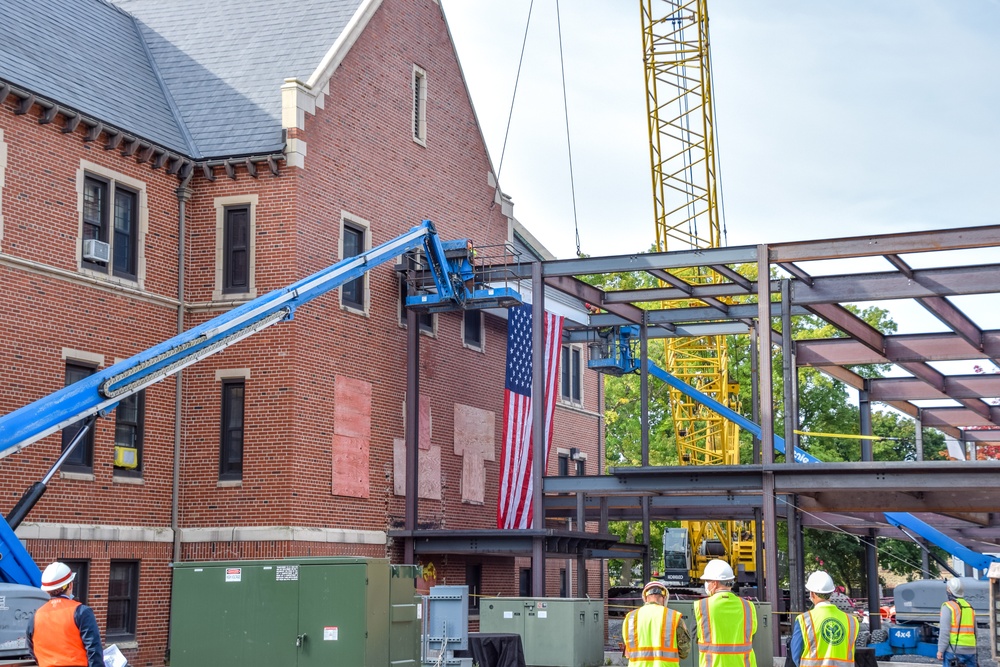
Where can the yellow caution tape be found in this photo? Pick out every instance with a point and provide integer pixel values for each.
(842, 435)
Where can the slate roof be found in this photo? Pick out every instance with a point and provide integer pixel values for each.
(200, 77)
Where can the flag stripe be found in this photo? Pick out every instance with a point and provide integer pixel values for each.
(514, 506)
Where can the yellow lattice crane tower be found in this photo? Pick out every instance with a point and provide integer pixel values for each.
(686, 204)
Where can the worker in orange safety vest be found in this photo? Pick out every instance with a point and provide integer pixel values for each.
(726, 622)
(654, 635)
(63, 632)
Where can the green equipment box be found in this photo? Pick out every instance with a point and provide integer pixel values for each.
(296, 612)
(555, 632)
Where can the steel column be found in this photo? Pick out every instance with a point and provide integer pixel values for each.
(770, 531)
(412, 429)
(644, 391)
(647, 572)
(754, 391)
(918, 429)
(796, 576)
(537, 426)
(581, 559)
(871, 555)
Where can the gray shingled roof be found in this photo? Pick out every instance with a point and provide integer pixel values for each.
(213, 85)
(86, 55)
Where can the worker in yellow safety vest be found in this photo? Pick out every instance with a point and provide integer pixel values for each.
(726, 622)
(957, 634)
(654, 635)
(824, 636)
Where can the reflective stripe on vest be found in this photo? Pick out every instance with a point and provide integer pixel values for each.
(828, 636)
(650, 633)
(963, 623)
(718, 645)
(56, 639)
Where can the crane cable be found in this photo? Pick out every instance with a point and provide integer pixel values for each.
(569, 149)
(510, 116)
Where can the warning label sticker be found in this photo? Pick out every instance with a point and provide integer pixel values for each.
(330, 633)
(286, 573)
(234, 574)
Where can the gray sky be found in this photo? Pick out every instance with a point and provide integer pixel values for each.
(834, 118)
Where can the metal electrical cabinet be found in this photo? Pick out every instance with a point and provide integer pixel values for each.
(303, 612)
(763, 645)
(555, 632)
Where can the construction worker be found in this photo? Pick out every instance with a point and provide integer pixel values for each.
(63, 632)
(654, 635)
(726, 622)
(824, 636)
(957, 634)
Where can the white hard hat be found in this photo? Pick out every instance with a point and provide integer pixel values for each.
(820, 582)
(718, 570)
(56, 576)
(956, 588)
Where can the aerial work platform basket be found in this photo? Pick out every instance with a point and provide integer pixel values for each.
(486, 277)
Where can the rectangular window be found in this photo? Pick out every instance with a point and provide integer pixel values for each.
(420, 106)
(474, 580)
(119, 233)
(236, 250)
(126, 233)
(123, 596)
(571, 374)
(563, 583)
(352, 293)
(82, 457)
(130, 417)
(80, 583)
(581, 467)
(524, 582)
(231, 441)
(472, 328)
(563, 465)
(424, 319)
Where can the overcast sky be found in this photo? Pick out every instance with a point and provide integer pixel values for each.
(834, 118)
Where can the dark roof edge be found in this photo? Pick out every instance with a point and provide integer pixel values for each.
(156, 150)
(174, 111)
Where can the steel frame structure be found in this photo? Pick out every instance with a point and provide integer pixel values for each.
(960, 499)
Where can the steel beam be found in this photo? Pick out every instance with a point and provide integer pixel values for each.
(956, 386)
(955, 319)
(679, 259)
(593, 295)
(959, 417)
(898, 348)
(680, 331)
(886, 244)
(881, 286)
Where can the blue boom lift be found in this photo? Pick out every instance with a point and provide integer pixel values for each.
(446, 282)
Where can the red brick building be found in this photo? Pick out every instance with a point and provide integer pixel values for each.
(163, 162)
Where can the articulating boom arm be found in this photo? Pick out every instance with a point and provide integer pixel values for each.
(101, 392)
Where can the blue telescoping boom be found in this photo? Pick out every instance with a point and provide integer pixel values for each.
(101, 392)
(628, 364)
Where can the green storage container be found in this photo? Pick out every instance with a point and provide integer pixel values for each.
(555, 632)
(302, 612)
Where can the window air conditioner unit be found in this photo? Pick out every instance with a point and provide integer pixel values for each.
(126, 457)
(575, 454)
(96, 251)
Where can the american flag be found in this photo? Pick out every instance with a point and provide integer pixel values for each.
(514, 505)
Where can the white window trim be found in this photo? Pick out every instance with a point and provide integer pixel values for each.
(142, 210)
(582, 367)
(418, 86)
(361, 223)
(482, 333)
(232, 374)
(90, 358)
(221, 204)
